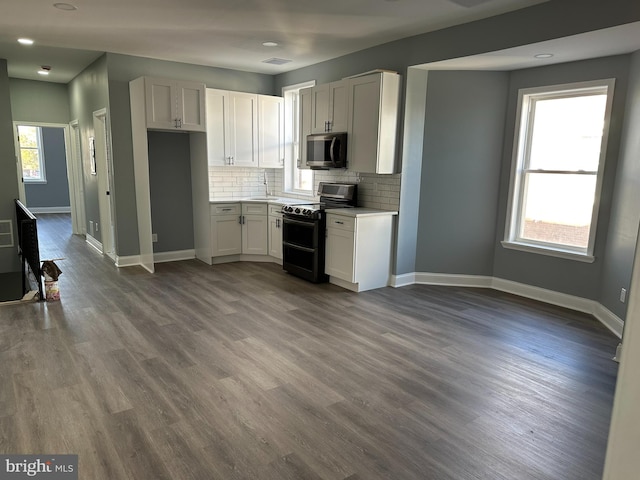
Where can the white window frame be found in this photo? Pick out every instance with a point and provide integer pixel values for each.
(520, 159)
(292, 137)
(39, 148)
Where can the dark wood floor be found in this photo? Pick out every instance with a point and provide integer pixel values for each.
(241, 371)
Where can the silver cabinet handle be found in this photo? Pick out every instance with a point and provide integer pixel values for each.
(227, 209)
(339, 223)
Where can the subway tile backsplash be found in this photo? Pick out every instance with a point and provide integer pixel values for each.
(374, 191)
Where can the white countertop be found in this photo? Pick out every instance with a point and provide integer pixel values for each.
(360, 212)
(270, 199)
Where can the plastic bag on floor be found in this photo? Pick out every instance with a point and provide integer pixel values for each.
(51, 272)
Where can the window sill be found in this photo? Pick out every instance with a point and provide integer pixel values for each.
(299, 193)
(552, 252)
(31, 182)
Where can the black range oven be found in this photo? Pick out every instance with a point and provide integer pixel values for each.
(303, 231)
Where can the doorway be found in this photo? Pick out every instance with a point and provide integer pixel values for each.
(46, 173)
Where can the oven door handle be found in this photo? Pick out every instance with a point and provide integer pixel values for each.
(298, 247)
(298, 222)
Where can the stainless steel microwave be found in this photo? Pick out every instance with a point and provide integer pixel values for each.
(327, 150)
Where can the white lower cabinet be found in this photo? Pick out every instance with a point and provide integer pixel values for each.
(226, 229)
(275, 231)
(358, 250)
(254, 228)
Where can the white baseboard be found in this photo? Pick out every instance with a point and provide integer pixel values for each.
(175, 256)
(49, 209)
(572, 302)
(402, 280)
(453, 280)
(609, 319)
(128, 261)
(94, 243)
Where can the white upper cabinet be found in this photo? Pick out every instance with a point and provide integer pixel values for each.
(175, 105)
(217, 150)
(270, 131)
(329, 107)
(242, 127)
(373, 101)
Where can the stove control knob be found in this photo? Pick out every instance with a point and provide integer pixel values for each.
(297, 210)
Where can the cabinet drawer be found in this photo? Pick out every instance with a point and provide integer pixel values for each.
(254, 208)
(341, 223)
(225, 209)
(275, 210)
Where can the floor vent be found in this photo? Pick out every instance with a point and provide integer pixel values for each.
(6, 233)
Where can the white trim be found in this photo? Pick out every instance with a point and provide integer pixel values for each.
(572, 302)
(402, 280)
(543, 295)
(551, 252)
(452, 280)
(128, 261)
(175, 256)
(94, 243)
(49, 209)
(609, 319)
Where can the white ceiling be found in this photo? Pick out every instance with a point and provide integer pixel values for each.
(221, 33)
(598, 43)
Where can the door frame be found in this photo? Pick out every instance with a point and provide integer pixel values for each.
(104, 171)
(78, 211)
(76, 195)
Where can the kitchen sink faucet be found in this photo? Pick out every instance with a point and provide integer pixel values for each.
(266, 184)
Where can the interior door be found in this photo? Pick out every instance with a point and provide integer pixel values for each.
(104, 183)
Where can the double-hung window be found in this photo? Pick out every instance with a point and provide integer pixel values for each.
(31, 154)
(558, 162)
(296, 180)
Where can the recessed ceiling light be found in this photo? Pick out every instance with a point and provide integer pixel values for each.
(25, 41)
(270, 44)
(44, 70)
(544, 55)
(65, 6)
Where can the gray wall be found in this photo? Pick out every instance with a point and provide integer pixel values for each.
(625, 211)
(8, 173)
(562, 275)
(43, 102)
(89, 92)
(170, 183)
(462, 154)
(54, 193)
(122, 69)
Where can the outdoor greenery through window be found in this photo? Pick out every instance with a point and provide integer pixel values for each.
(31, 154)
(296, 180)
(558, 163)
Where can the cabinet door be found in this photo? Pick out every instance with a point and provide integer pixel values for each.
(254, 234)
(373, 123)
(243, 128)
(217, 152)
(270, 131)
(275, 236)
(320, 96)
(339, 260)
(191, 106)
(305, 121)
(226, 235)
(160, 103)
(338, 105)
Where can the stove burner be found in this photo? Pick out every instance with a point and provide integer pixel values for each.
(312, 210)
